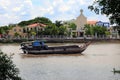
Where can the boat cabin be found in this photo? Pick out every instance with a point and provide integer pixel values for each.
(37, 43)
(34, 45)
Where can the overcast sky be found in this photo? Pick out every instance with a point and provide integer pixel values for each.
(14, 11)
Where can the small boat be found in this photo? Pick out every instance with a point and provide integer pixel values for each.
(39, 47)
(116, 71)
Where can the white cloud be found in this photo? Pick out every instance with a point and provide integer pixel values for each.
(63, 17)
(64, 8)
(14, 10)
(19, 10)
(23, 13)
(41, 11)
(98, 18)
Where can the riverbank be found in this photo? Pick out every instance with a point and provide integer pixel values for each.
(61, 40)
(81, 40)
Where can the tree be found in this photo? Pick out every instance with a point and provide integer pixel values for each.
(51, 29)
(16, 34)
(117, 28)
(54, 30)
(58, 23)
(33, 33)
(88, 29)
(8, 70)
(73, 26)
(42, 20)
(23, 23)
(47, 30)
(110, 8)
(12, 25)
(62, 30)
(92, 30)
(1, 31)
(4, 29)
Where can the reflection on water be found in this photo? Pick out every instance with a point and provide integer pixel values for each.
(48, 55)
(95, 63)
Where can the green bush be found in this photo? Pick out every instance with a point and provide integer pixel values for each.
(8, 70)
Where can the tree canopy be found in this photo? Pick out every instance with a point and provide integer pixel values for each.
(73, 26)
(110, 8)
(8, 70)
(58, 23)
(4, 29)
(43, 20)
(55, 30)
(92, 30)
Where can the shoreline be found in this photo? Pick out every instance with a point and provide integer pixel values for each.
(62, 40)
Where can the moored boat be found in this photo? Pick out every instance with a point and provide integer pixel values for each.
(39, 47)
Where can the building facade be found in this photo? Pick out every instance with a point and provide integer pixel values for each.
(104, 24)
(35, 27)
(80, 21)
(16, 32)
(24, 32)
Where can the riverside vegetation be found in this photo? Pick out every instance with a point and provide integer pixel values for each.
(8, 70)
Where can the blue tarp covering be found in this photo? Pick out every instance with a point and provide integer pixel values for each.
(36, 43)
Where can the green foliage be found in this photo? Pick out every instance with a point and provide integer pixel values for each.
(89, 29)
(4, 29)
(16, 34)
(1, 31)
(33, 33)
(51, 29)
(58, 23)
(109, 7)
(47, 30)
(54, 30)
(8, 70)
(43, 20)
(62, 30)
(24, 23)
(117, 28)
(73, 26)
(107, 32)
(92, 30)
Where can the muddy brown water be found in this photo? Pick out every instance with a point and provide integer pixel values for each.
(95, 63)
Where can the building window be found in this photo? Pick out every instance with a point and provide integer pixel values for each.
(19, 30)
(14, 30)
(41, 29)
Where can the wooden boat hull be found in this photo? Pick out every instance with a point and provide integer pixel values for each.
(72, 49)
(53, 51)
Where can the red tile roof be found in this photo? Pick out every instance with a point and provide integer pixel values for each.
(91, 22)
(36, 25)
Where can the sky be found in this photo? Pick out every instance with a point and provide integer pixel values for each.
(15, 11)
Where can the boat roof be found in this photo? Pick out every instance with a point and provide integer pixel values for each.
(28, 42)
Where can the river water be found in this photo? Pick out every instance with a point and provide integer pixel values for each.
(95, 63)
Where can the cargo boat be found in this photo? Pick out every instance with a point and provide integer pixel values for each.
(39, 47)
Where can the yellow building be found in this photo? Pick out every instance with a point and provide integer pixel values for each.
(80, 21)
(16, 32)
